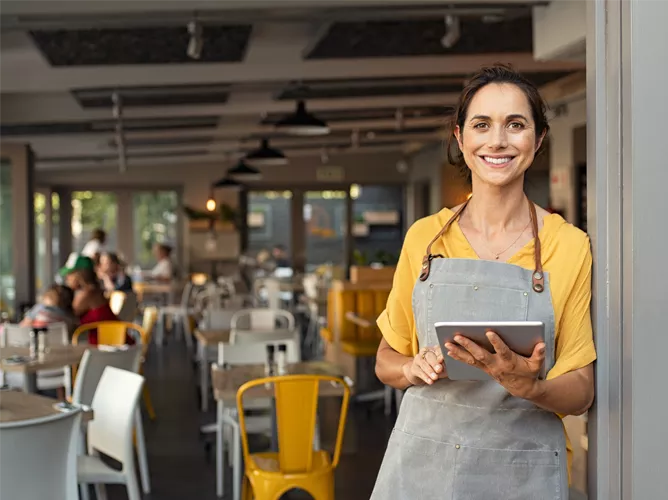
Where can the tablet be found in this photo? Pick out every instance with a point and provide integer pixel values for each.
(520, 336)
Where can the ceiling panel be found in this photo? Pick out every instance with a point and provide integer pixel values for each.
(422, 37)
(165, 45)
(170, 95)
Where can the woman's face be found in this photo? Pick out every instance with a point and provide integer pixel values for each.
(72, 280)
(498, 139)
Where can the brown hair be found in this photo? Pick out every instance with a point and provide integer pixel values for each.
(499, 73)
(99, 234)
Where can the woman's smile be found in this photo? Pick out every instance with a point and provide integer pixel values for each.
(497, 161)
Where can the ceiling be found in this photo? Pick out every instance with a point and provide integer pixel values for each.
(377, 72)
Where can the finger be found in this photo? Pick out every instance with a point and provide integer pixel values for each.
(460, 354)
(537, 357)
(432, 359)
(428, 369)
(418, 372)
(500, 346)
(480, 354)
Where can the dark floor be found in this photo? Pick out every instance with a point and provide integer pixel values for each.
(177, 460)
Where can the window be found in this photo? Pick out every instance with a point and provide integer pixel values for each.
(155, 216)
(92, 210)
(269, 221)
(6, 250)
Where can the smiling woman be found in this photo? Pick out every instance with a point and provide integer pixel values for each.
(496, 257)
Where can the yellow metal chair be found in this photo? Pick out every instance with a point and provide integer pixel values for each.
(148, 323)
(295, 465)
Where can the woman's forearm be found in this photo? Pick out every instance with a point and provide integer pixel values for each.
(389, 366)
(568, 394)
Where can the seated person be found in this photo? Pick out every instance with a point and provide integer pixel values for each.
(89, 304)
(164, 269)
(55, 306)
(110, 272)
(279, 255)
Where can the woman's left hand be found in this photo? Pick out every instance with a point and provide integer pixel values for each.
(518, 374)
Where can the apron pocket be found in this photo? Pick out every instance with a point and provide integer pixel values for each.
(415, 468)
(482, 474)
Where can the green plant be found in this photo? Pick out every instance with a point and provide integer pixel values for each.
(225, 213)
(360, 258)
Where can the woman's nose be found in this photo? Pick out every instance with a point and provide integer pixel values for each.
(498, 139)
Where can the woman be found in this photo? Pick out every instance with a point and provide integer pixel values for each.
(89, 304)
(111, 275)
(164, 269)
(497, 257)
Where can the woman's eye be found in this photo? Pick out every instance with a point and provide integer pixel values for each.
(480, 125)
(516, 125)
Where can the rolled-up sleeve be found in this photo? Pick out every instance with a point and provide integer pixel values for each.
(396, 322)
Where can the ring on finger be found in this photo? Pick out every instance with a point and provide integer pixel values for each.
(425, 351)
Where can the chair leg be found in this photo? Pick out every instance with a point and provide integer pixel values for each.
(141, 453)
(148, 403)
(133, 486)
(219, 450)
(100, 492)
(246, 489)
(237, 472)
(323, 489)
(84, 491)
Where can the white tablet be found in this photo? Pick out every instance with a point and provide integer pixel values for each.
(520, 336)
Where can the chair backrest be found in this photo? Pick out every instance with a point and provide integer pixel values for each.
(114, 406)
(92, 366)
(296, 411)
(217, 319)
(39, 457)
(254, 353)
(110, 332)
(19, 336)
(116, 301)
(128, 306)
(148, 324)
(263, 319)
(248, 336)
(310, 282)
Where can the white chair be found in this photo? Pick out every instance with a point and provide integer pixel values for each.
(124, 305)
(234, 355)
(39, 457)
(262, 319)
(110, 432)
(57, 334)
(93, 365)
(180, 314)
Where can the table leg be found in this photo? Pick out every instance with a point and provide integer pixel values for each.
(219, 450)
(30, 383)
(204, 377)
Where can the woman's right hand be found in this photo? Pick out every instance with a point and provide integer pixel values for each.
(425, 368)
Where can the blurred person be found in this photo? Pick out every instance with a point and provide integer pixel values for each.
(95, 246)
(163, 271)
(111, 274)
(279, 255)
(55, 306)
(89, 304)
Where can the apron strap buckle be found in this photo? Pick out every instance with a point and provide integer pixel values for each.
(426, 267)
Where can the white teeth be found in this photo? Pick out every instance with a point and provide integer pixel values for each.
(497, 161)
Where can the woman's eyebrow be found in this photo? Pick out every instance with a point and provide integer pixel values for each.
(479, 117)
(516, 117)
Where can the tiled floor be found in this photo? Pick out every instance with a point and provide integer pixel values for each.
(178, 463)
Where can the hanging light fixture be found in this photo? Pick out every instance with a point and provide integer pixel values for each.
(266, 156)
(301, 122)
(211, 202)
(226, 182)
(244, 172)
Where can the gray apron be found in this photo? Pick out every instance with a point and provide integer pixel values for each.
(472, 440)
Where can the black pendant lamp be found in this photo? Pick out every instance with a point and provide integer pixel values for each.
(244, 172)
(266, 156)
(226, 182)
(301, 122)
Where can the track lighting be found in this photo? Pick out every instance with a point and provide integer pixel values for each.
(195, 43)
(452, 32)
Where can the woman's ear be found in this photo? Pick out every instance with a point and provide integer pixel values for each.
(539, 142)
(458, 136)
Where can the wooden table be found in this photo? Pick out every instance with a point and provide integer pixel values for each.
(16, 406)
(212, 337)
(55, 357)
(166, 290)
(226, 382)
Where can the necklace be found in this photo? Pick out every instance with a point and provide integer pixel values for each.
(497, 255)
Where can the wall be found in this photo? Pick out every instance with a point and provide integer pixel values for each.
(559, 30)
(562, 157)
(424, 166)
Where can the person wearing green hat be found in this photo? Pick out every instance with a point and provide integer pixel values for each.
(89, 304)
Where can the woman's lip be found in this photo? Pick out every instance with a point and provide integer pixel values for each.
(497, 165)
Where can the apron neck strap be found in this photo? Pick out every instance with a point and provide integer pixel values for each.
(537, 278)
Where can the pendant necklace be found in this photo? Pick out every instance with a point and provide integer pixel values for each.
(497, 255)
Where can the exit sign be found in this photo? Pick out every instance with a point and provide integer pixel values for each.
(329, 174)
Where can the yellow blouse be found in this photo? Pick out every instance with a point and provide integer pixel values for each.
(566, 257)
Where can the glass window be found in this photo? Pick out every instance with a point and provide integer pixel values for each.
(155, 220)
(6, 251)
(92, 210)
(269, 221)
(377, 224)
(326, 228)
(41, 279)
